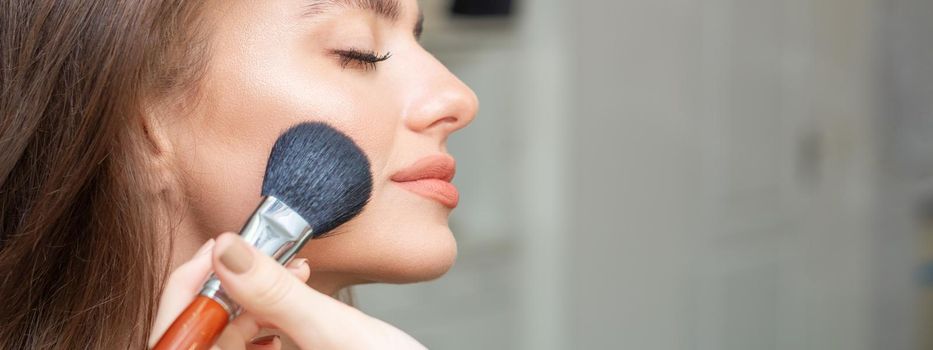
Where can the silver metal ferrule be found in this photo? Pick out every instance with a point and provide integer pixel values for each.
(275, 230)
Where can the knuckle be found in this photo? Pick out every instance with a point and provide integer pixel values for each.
(275, 292)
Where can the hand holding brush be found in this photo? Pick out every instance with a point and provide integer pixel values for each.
(274, 296)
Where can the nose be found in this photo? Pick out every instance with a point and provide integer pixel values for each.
(441, 103)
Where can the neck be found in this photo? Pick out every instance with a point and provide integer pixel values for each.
(330, 283)
(185, 247)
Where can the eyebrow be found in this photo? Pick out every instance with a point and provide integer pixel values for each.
(389, 9)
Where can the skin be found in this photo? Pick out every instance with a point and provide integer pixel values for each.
(270, 68)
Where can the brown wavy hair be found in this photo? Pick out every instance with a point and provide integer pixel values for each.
(84, 242)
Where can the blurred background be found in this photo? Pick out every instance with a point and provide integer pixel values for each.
(683, 174)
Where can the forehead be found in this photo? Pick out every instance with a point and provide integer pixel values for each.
(389, 9)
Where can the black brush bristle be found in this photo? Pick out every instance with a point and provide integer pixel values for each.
(320, 173)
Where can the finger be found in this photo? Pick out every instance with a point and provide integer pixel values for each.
(181, 287)
(244, 328)
(268, 342)
(238, 333)
(269, 292)
(300, 269)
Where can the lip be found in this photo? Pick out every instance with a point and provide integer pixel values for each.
(430, 177)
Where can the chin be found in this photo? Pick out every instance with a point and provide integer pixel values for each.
(430, 259)
(403, 256)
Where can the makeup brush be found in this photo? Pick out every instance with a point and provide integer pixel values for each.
(316, 179)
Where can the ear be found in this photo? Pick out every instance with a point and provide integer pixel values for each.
(157, 141)
(159, 157)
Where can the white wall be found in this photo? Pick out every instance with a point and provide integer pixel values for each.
(906, 125)
(724, 169)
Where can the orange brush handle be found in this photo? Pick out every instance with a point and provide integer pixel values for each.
(197, 328)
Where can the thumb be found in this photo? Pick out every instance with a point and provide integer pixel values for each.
(272, 294)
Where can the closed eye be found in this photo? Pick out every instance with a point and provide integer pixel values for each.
(361, 59)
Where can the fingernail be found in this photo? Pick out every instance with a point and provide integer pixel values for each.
(297, 263)
(264, 340)
(237, 257)
(205, 247)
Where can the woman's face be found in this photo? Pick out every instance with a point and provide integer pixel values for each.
(276, 63)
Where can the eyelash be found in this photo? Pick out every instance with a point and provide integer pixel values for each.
(366, 60)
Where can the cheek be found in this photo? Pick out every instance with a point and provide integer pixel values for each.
(223, 151)
(222, 182)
